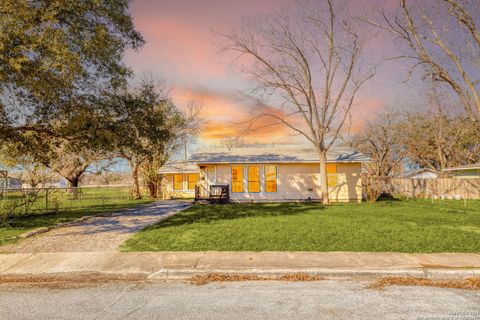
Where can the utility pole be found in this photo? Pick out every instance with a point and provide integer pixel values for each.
(185, 146)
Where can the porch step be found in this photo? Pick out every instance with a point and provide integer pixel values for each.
(202, 201)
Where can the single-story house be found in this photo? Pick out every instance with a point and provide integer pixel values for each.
(466, 171)
(273, 174)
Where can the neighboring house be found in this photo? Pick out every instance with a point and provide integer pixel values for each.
(10, 183)
(279, 173)
(466, 171)
(179, 179)
(421, 174)
(51, 183)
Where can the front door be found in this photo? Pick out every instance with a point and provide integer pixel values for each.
(210, 175)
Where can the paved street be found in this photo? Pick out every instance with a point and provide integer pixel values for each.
(99, 234)
(251, 300)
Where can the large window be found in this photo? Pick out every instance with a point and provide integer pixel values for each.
(253, 178)
(237, 178)
(270, 178)
(177, 181)
(192, 180)
(332, 180)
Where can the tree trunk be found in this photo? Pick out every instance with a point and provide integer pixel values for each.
(152, 189)
(323, 176)
(73, 182)
(136, 184)
(73, 185)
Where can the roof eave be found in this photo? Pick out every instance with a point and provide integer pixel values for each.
(280, 162)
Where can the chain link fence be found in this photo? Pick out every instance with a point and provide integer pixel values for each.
(15, 202)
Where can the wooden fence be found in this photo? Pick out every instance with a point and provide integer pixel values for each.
(439, 188)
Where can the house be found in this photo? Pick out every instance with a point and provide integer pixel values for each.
(466, 171)
(10, 183)
(423, 173)
(179, 179)
(270, 174)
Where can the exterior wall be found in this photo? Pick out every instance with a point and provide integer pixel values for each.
(473, 173)
(168, 192)
(298, 182)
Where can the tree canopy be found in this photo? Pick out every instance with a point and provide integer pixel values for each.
(146, 127)
(52, 51)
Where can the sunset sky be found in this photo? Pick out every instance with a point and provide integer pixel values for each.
(180, 47)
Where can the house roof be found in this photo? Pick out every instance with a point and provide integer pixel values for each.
(473, 166)
(275, 155)
(179, 167)
(417, 172)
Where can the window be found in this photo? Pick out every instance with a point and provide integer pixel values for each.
(270, 178)
(253, 178)
(192, 180)
(237, 178)
(332, 175)
(177, 181)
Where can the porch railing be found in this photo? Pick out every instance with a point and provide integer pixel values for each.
(215, 193)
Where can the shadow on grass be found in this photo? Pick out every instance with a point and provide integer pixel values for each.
(36, 220)
(211, 213)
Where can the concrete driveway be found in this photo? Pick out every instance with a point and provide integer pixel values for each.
(99, 234)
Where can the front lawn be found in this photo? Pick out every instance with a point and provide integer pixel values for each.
(396, 226)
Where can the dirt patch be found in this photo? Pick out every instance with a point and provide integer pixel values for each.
(218, 277)
(469, 283)
(67, 281)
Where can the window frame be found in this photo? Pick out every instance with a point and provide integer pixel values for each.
(188, 181)
(242, 169)
(335, 175)
(173, 182)
(259, 178)
(265, 178)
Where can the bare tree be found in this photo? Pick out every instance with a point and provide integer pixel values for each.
(380, 140)
(192, 125)
(35, 174)
(309, 58)
(104, 169)
(437, 141)
(233, 142)
(443, 37)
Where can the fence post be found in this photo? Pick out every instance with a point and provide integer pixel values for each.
(46, 199)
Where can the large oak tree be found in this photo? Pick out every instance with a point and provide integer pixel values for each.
(59, 59)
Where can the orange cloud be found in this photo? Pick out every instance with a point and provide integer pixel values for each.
(230, 115)
(366, 110)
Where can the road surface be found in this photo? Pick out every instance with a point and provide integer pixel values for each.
(241, 300)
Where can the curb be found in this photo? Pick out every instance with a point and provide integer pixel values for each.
(186, 274)
(438, 274)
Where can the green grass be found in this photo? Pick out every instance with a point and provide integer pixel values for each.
(387, 226)
(91, 201)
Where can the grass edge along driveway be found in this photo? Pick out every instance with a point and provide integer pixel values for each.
(413, 226)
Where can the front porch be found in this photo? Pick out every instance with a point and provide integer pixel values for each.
(213, 193)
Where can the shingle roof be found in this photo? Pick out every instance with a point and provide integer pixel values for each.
(179, 167)
(473, 166)
(275, 155)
